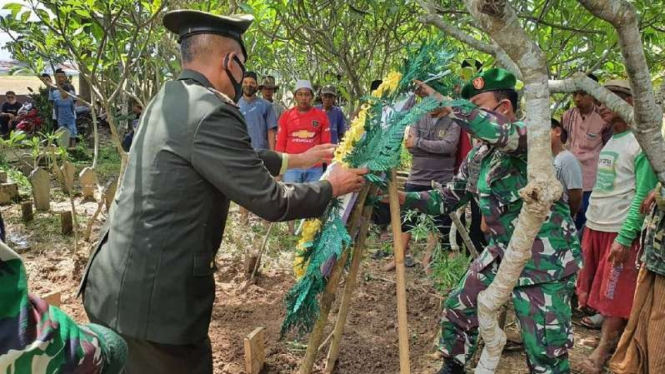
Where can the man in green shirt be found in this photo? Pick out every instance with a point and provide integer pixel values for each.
(492, 174)
(610, 241)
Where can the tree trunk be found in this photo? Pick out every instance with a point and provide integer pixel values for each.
(84, 89)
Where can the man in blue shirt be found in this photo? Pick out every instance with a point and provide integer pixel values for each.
(261, 122)
(64, 103)
(259, 115)
(335, 114)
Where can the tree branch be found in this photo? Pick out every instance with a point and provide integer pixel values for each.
(648, 114)
(460, 35)
(580, 82)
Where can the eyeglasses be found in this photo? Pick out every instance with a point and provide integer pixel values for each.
(10, 97)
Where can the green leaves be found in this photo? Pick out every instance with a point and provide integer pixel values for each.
(14, 8)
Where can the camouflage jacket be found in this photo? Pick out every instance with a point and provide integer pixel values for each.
(493, 173)
(36, 337)
(652, 240)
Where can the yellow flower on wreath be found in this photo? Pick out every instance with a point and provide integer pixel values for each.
(389, 84)
(357, 128)
(309, 230)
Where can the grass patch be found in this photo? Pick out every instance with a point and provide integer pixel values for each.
(108, 163)
(24, 187)
(447, 271)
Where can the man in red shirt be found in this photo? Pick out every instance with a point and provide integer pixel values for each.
(301, 128)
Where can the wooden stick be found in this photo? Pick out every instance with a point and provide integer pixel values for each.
(326, 341)
(464, 234)
(328, 296)
(396, 223)
(333, 351)
(258, 258)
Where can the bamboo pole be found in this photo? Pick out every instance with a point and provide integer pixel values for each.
(351, 278)
(396, 223)
(328, 296)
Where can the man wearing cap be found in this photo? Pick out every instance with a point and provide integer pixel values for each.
(492, 174)
(336, 118)
(587, 134)
(301, 128)
(611, 238)
(151, 276)
(259, 115)
(268, 89)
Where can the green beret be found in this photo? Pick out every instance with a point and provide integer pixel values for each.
(192, 22)
(489, 80)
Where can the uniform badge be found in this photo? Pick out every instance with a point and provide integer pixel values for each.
(315, 123)
(442, 134)
(478, 83)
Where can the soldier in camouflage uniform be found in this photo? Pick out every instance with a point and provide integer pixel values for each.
(492, 174)
(38, 338)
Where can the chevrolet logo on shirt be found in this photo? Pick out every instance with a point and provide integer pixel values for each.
(303, 134)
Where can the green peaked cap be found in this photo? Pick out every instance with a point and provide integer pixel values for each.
(489, 80)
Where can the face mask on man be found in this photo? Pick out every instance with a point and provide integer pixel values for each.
(237, 85)
(249, 90)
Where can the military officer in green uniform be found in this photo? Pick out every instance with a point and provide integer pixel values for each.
(492, 174)
(151, 277)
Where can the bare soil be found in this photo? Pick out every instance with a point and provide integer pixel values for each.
(370, 343)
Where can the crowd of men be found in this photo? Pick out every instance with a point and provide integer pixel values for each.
(149, 288)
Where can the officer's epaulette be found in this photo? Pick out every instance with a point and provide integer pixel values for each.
(222, 96)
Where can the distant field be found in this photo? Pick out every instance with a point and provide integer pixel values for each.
(20, 84)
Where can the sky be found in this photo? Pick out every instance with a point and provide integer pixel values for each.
(4, 38)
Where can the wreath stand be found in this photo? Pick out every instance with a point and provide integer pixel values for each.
(359, 222)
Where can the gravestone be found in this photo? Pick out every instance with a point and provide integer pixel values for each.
(26, 211)
(255, 354)
(109, 193)
(68, 173)
(25, 164)
(41, 189)
(8, 193)
(63, 137)
(87, 179)
(66, 223)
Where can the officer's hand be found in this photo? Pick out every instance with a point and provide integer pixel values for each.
(315, 155)
(618, 254)
(648, 202)
(345, 180)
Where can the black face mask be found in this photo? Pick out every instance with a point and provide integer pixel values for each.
(249, 90)
(237, 86)
(497, 105)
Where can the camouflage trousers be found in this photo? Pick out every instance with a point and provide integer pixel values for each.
(543, 311)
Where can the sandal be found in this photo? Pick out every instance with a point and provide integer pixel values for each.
(594, 322)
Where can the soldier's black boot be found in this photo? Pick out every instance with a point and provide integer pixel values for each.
(450, 366)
